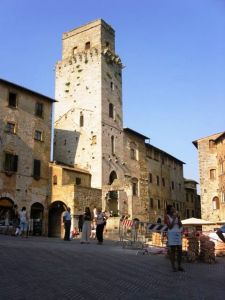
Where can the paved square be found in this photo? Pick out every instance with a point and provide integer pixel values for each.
(49, 268)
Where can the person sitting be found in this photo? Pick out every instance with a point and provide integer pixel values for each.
(220, 232)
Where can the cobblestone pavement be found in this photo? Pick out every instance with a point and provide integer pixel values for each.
(49, 268)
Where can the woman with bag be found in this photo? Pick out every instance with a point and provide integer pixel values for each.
(174, 237)
(86, 228)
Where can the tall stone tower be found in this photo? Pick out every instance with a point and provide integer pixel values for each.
(88, 115)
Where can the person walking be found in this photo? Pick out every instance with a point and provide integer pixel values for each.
(67, 224)
(16, 220)
(174, 237)
(101, 222)
(23, 222)
(86, 229)
(80, 223)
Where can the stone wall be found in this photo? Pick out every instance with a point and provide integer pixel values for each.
(23, 188)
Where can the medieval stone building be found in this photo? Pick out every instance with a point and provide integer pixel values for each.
(25, 143)
(192, 199)
(97, 162)
(89, 131)
(211, 152)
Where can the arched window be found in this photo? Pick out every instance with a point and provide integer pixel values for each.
(215, 203)
(135, 186)
(112, 145)
(81, 120)
(112, 177)
(111, 110)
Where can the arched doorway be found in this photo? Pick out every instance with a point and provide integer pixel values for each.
(36, 214)
(6, 207)
(55, 228)
(113, 196)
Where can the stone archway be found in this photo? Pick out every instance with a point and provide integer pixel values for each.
(55, 227)
(6, 205)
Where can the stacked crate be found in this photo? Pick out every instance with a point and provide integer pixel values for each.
(157, 239)
(191, 246)
(207, 249)
(219, 248)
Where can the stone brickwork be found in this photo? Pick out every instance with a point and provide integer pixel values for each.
(166, 183)
(211, 151)
(88, 79)
(89, 130)
(18, 183)
(77, 194)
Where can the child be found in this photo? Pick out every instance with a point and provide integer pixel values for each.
(75, 233)
(93, 230)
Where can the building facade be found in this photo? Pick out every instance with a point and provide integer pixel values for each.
(89, 131)
(192, 199)
(211, 155)
(25, 139)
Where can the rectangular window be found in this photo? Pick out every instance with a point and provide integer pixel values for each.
(111, 110)
(81, 120)
(87, 45)
(156, 155)
(12, 100)
(78, 180)
(55, 179)
(112, 145)
(37, 169)
(187, 197)
(163, 181)
(10, 127)
(212, 144)
(151, 203)
(112, 86)
(150, 177)
(212, 173)
(157, 180)
(159, 204)
(38, 135)
(135, 188)
(193, 213)
(222, 197)
(172, 185)
(188, 213)
(132, 153)
(39, 109)
(11, 162)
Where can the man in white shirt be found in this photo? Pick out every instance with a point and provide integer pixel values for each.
(67, 224)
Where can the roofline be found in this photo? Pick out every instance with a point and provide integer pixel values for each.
(171, 156)
(6, 82)
(190, 180)
(195, 143)
(129, 130)
(97, 22)
(70, 168)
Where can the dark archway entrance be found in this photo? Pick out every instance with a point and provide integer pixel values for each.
(36, 214)
(6, 207)
(113, 196)
(55, 228)
(113, 203)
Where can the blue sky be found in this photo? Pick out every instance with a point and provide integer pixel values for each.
(173, 50)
